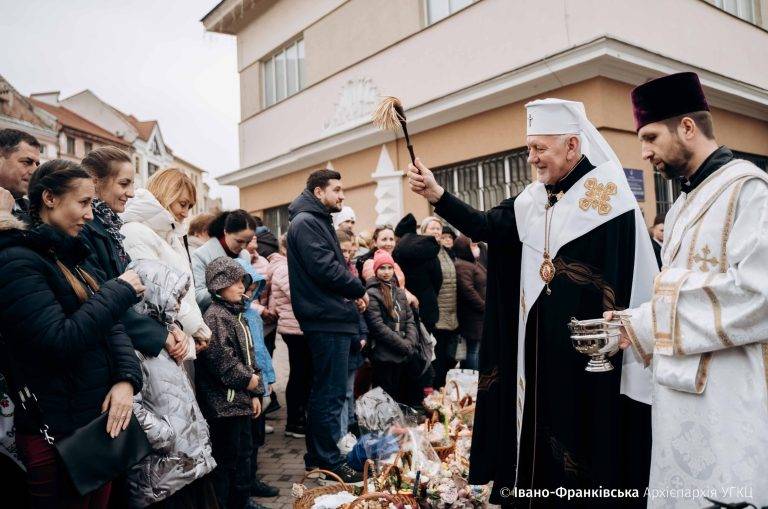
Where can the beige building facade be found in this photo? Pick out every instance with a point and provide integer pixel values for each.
(312, 72)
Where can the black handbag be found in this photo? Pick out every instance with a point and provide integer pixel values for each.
(93, 458)
(90, 455)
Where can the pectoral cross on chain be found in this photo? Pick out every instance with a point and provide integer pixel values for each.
(705, 260)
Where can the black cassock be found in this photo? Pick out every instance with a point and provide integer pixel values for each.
(578, 431)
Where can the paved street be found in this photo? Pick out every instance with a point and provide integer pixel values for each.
(281, 460)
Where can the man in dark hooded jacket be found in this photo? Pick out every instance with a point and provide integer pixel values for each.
(326, 298)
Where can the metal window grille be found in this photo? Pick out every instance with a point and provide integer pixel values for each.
(486, 181)
(276, 219)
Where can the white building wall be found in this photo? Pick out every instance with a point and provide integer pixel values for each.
(90, 107)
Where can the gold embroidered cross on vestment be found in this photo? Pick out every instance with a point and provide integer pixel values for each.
(705, 260)
(597, 196)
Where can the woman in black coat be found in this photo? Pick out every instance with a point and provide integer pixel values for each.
(471, 279)
(113, 174)
(417, 257)
(61, 331)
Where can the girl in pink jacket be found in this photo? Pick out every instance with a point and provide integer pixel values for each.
(299, 356)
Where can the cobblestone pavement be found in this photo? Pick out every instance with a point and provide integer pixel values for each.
(281, 459)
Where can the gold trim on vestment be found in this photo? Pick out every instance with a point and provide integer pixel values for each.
(717, 310)
(654, 325)
(765, 363)
(645, 356)
(702, 209)
(598, 196)
(583, 274)
(701, 375)
(692, 249)
(671, 291)
(729, 225)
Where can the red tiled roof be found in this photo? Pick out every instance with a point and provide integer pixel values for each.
(70, 119)
(144, 128)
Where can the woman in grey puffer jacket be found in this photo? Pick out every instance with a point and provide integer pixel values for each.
(174, 474)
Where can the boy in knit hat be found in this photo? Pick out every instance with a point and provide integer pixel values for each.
(229, 383)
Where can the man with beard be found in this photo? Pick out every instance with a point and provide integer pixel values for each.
(326, 298)
(572, 244)
(706, 326)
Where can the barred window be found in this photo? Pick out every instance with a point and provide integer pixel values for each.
(276, 219)
(486, 181)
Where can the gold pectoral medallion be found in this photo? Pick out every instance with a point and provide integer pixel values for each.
(547, 271)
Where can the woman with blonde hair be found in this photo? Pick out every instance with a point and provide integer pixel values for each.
(446, 328)
(154, 229)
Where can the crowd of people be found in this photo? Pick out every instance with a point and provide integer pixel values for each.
(354, 314)
(117, 308)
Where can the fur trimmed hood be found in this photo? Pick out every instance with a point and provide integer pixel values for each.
(10, 222)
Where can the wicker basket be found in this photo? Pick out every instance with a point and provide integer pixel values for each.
(307, 500)
(395, 498)
(372, 496)
(443, 451)
(466, 411)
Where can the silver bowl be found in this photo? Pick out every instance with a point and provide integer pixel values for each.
(590, 337)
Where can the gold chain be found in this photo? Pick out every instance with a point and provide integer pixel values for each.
(547, 269)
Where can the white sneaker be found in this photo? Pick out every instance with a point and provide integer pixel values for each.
(268, 429)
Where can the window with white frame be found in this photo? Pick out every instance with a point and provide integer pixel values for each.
(439, 9)
(744, 9)
(284, 73)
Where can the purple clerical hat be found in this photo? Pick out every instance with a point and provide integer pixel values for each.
(667, 97)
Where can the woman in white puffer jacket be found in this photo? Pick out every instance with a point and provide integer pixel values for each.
(176, 473)
(154, 229)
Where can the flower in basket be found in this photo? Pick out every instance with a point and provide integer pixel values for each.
(298, 490)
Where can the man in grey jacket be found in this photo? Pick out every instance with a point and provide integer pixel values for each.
(326, 300)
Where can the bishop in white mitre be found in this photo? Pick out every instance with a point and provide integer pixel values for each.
(704, 331)
(573, 244)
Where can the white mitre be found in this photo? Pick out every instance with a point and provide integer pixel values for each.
(558, 116)
(553, 116)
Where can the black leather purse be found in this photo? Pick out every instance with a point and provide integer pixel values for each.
(91, 456)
